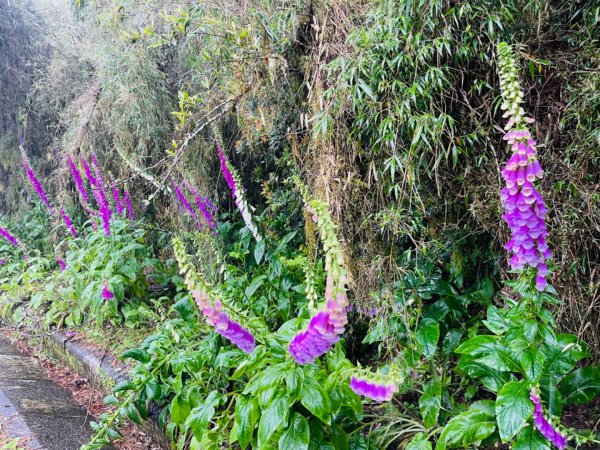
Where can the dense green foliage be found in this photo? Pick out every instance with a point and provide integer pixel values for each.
(389, 112)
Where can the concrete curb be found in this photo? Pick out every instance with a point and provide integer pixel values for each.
(103, 372)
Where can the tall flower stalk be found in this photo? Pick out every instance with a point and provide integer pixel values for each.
(524, 208)
(545, 427)
(9, 236)
(326, 326)
(211, 307)
(237, 190)
(205, 206)
(77, 178)
(35, 182)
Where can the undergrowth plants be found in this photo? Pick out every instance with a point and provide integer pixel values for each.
(259, 338)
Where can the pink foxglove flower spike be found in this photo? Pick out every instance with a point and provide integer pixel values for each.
(524, 208)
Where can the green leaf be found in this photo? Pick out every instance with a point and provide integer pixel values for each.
(275, 416)
(479, 345)
(315, 399)
(184, 307)
(581, 386)
(259, 251)
(199, 418)
(428, 334)
(254, 285)
(339, 438)
(419, 442)
(513, 408)
(297, 436)
(126, 385)
(430, 402)
(246, 416)
(138, 354)
(469, 427)
(530, 439)
(180, 409)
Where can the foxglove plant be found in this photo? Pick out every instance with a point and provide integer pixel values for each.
(524, 208)
(117, 199)
(237, 190)
(326, 326)
(68, 223)
(9, 236)
(184, 202)
(35, 182)
(543, 426)
(128, 205)
(96, 180)
(212, 309)
(205, 206)
(378, 391)
(77, 178)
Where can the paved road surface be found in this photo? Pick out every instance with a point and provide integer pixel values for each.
(34, 407)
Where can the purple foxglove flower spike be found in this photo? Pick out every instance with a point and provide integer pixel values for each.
(380, 392)
(97, 181)
(78, 180)
(204, 206)
(8, 236)
(183, 201)
(524, 206)
(543, 426)
(237, 190)
(68, 223)
(223, 325)
(326, 326)
(117, 199)
(35, 182)
(127, 201)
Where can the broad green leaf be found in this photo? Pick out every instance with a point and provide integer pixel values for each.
(428, 334)
(259, 251)
(479, 345)
(513, 408)
(419, 442)
(314, 398)
(581, 386)
(137, 354)
(180, 409)
(469, 427)
(430, 402)
(246, 416)
(530, 439)
(254, 285)
(272, 418)
(297, 436)
(153, 391)
(491, 379)
(550, 393)
(339, 438)
(199, 418)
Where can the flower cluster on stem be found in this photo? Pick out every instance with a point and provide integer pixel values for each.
(9, 236)
(237, 190)
(524, 208)
(545, 427)
(35, 182)
(326, 326)
(380, 392)
(211, 308)
(77, 178)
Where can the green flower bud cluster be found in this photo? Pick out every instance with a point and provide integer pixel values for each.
(512, 95)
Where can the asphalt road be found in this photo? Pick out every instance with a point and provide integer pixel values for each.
(34, 407)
